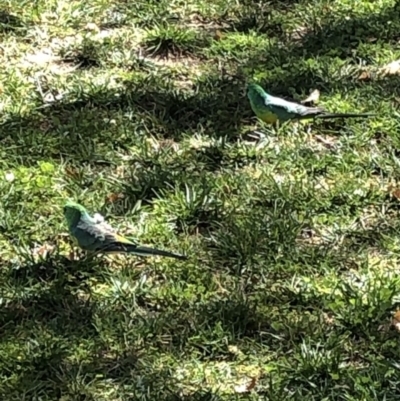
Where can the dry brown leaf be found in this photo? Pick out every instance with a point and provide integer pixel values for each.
(329, 142)
(329, 319)
(313, 97)
(218, 35)
(43, 250)
(72, 172)
(111, 198)
(396, 320)
(299, 32)
(392, 68)
(218, 282)
(364, 76)
(394, 191)
(246, 387)
(168, 143)
(45, 126)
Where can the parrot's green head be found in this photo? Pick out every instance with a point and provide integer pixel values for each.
(255, 92)
(73, 212)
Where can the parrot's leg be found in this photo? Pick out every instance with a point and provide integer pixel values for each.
(74, 254)
(80, 254)
(260, 134)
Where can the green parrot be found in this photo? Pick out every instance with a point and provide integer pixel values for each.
(271, 109)
(94, 234)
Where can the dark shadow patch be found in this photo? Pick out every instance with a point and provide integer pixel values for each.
(84, 57)
(10, 23)
(198, 221)
(74, 130)
(168, 46)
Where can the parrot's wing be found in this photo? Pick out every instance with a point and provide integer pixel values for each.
(101, 235)
(282, 108)
(290, 109)
(93, 234)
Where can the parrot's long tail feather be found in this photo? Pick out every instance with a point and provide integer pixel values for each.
(344, 115)
(141, 251)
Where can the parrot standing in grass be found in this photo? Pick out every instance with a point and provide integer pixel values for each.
(94, 234)
(271, 109)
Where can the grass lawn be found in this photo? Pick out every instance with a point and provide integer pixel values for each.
(137, 109)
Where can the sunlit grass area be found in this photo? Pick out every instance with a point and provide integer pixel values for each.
(138, 111)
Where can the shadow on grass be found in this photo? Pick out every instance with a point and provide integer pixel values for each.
(345, 34)
(257, 309)
(328, 31)
(73, 129)
(57, 282)
(217, 107)
(10, 23)
(333, 36)
(52, 326)
(124, 346)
